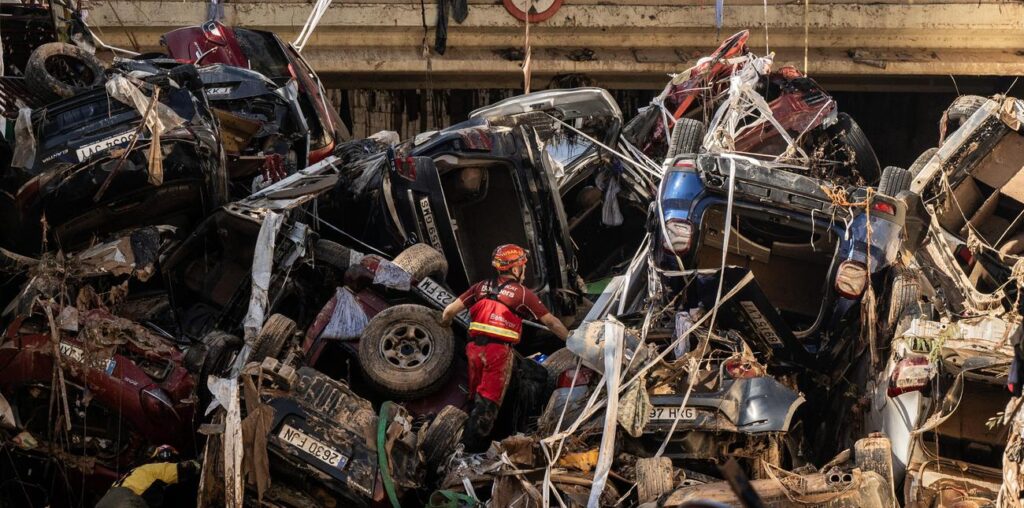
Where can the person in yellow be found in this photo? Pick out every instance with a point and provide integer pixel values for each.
(146, 485)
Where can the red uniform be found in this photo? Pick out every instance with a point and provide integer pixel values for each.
(497, 308)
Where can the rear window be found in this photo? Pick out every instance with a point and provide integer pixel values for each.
(264, 53)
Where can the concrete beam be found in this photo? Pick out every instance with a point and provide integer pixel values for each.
(612, 40)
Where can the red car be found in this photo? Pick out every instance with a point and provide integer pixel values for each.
(126, 391)
(263, 52)
(808, 114)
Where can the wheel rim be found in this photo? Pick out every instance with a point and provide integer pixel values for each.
(406, 346)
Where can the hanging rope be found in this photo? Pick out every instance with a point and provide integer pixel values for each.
(527, 51)
(311, 23)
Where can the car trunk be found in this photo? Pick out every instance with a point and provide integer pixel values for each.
(790, 259)
(486, 203)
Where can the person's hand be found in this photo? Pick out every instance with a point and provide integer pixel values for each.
(445, 322)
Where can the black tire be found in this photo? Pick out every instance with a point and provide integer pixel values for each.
(961, 109)
(332, 254)
(62, 70)
(921, 160)
(903, 296)
(847, 132)
(422, 260)
(405, 353)
(894, 180)
(653, 478)
(687, 137)
(272, 337)
(558, 362)
(442, 437)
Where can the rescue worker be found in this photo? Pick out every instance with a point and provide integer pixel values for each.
(149, 485)
(497, 308)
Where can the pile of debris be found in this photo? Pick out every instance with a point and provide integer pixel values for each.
(203, 271)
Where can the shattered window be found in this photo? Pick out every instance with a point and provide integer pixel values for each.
(264, 53)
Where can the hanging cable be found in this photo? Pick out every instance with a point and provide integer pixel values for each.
(311, 23)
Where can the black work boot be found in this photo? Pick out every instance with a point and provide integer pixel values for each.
(479, 425)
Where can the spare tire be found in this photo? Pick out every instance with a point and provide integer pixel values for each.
(405, 353)
(332, 254)
(272, 337)
(653, 478)
(441, 437)
(62, 70)
(687, 137)
(422, 260)
(960, 110)
(848, 133)
(894, 180)
(558, 362)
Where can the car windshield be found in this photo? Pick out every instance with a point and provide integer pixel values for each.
(264, 53)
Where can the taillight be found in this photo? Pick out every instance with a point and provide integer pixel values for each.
(882, 206)
(684, 163)
(406, 167)
(213, 33)
(912, 374)
(851, 279)
(680, 236)
(582, 378)
(738, 369)
(965, 255)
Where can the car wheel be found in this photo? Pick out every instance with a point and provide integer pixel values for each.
(848, 133)
(687, 137)
(921, 160)
(559, 362)
(272, 337)
(441, 437)
(332, 254)
(653, 478)
(960, 110)
(894, 180)
(421, 261)
(405, 353)
(62, 70)
(902, 296)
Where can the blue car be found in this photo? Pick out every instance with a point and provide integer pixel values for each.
(813, 249)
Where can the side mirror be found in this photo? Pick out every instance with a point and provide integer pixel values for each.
(917, 221)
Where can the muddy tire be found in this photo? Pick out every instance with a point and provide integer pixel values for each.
(875, 454)
(332, 254)
(687, 137)
(422, 260)
(211, 355)
(961, 109)
(62, 70)
(558, 362)
(894, 180)
(405, 353)
(653, 478)
(921, 160)
(272, 337)
(847, 132)
(902, 297)
(442, 437)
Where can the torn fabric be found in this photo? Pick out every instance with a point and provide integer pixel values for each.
(348, 318)
(262, 264)
(614, 331)
(24, 141)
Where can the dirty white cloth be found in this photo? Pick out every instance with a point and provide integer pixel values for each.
(348, 319)
(262, 264)
(611, 215)
(24, 140)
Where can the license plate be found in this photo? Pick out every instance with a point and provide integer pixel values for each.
(440, 296)
(87, 151)
(312, 446)
(688, 414)
(77, 354)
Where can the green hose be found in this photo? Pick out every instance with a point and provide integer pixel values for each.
(382, 454)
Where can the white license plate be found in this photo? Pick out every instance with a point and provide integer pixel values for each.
(688, 414)
(104, 144)
(77, 354)
(312, 446)
(440, 296)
